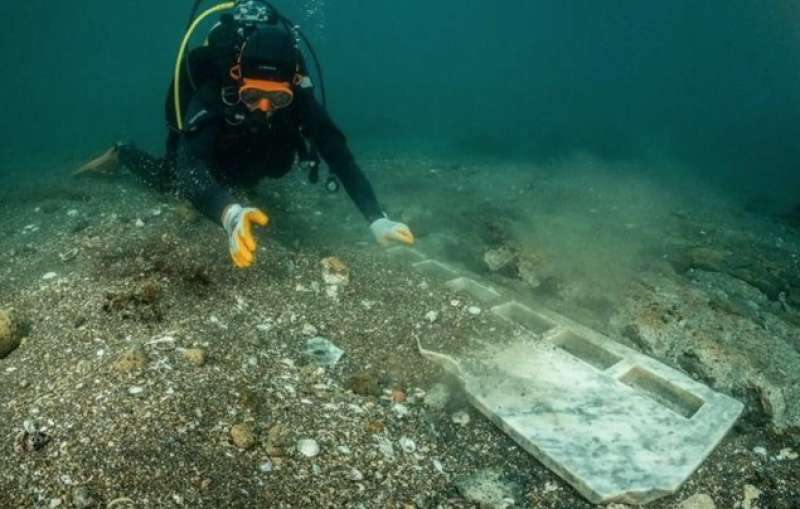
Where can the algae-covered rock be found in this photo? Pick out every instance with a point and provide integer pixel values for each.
(9, 333)
(243, 435)
(131, 359)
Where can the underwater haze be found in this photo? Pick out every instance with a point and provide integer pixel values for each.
(602, 200)
(713, 85)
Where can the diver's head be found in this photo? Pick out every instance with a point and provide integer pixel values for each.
(268, 68)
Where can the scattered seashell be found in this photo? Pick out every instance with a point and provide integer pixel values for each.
(407, 445)
(308, 447)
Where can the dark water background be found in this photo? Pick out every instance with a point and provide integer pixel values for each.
(711, 85)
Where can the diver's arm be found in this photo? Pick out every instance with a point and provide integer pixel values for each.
(194, 179)
(333, 148)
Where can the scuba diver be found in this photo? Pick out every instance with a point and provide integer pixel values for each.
(250, 112)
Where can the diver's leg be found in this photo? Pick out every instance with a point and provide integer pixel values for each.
(155, 173)
(105, 164)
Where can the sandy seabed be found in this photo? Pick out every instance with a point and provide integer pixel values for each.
(153, 374)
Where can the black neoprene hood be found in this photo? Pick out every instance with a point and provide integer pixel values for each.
(270, 53)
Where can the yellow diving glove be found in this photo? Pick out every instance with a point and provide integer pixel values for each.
(238, 223)
(386, 231)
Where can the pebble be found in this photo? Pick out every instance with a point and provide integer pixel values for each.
(698, 501)
(400, 410)
(761, 451)
(196, 356)
(139, 223)
(461, 418)
(751, 493)
(308, 447)
(265, 467)
(131, 359)
(474, 310)
(82, 498)
(334, 271)
(431, 316)
(243, 436)
(135, 389)
(386, 447)
(786, 454)
(49, 275)
(355, 475)
(72, 212)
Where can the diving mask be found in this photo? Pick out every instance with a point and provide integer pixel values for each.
(265, 95)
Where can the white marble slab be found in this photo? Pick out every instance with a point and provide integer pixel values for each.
(617, 425)
(618, 428)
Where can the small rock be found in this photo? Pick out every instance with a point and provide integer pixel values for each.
(365, 384)
(474, 310)
(431, 316)
(49, 275)
(30, 439)
(9, 333)
(135, 390)
(82, 498)
(698, 501)
(751, 494)
(786, 454)
(309, 330)
(308, 447)
(139, 223)
(196, 356)
(461, 418)
(322, 352)
(131, 359)
(488, 488)
(761, 451)
(266, 467)
(355, 475)
(398, 395)
(498, 258)
(375, 427)
(400, 410)
(385, 446)
(243, 436)
(334, 271)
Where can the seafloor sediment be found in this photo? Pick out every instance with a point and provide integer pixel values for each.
(151, 374)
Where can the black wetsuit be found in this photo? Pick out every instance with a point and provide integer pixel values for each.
(226, 146)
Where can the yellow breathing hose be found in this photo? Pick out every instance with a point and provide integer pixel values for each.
(177, 85)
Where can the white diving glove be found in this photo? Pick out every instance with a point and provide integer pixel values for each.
(386, 231)
(238, 223)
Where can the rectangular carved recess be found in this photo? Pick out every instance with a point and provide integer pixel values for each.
(473, 288)
(435, 270)
(524, 316)
(680, 401)
(405, 254)
(587, 351)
